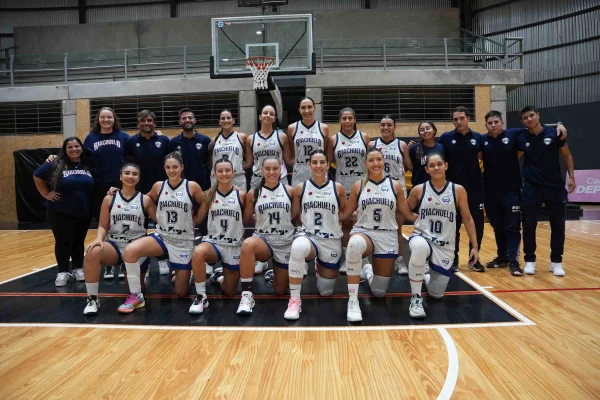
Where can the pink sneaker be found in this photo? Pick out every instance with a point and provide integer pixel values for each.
(294, 309)
(133, 301)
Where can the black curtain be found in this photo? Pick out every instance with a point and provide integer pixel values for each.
(30, 204)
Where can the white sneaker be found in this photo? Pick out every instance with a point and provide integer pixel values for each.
(416, 309)
(343, 268)
(92, 306)
(260, 267)
(209, 269)
(529, 268)
(354, 314)
(109, 272)
(199, 304)
(365, 271)
(294, 309)
(557, 269)
(400, 267)
(246, 304)
(78, 274)
(62, 278)
(163, 267)
(122, 271)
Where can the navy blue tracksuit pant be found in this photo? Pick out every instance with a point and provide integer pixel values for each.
(475, 198)
(504, 213)
(556, 201)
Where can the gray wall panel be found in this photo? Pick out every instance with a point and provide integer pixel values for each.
(134, 13)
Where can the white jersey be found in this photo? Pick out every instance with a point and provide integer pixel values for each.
(175, 224)
(306, 140)
(225, 224)
(320, 210)
(273, 211)
(127, 219)
(393, 159)
(377, 206)
(266, 147)
(349, 155)
(229, 148)
(437, 215)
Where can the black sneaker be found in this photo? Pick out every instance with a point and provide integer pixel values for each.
(515, 268)
(477, 267)
(497, 262)
(454, 267)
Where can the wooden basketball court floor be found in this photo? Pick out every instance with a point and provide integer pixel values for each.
(551, 352)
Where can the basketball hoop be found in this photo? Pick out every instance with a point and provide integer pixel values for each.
(260, 67)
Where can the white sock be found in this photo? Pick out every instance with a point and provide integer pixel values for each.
(295, 290)
(400, 258)
(92, 288)
(200, 288)
(415, 287)
(133, 277)
(353, 290)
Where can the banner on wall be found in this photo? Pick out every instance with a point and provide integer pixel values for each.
(588, 186)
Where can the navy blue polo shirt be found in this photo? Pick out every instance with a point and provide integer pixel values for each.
(195, 157)
(501, 170)
(462, 156)
(149, 155)
(75, 186)
(541, 164)
(107, 155)
(419, 175)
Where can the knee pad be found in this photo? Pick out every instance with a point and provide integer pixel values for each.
(325, 286)
(300, 250)
(419, 250)
(437, 284)
(357, 245)
(379, 285)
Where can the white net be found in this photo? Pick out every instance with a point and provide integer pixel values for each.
(260, 67)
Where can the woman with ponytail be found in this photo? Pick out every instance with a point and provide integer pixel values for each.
(229, 145)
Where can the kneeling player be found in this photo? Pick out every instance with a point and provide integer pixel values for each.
(438, 202)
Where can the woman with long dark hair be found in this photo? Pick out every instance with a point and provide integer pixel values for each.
(67, 185)
(419, 151)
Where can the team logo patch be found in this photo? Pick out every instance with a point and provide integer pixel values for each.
(216, 201)
(445, 261)
(236, 256)
(178, 147)
(231, 201)
(516, 208)
(473, 142)
(280, 195)
(179, 194)
(429, 199)
(385, 188)
(485, 143)
(327, 192)
(158, 144)
(334, 254)
(481, 206)
(547, 141)
(505, 140)
(368, 190)
(446, 200)
(393, 147)
(391, 251)
(137, 145)
(134, 206)
(198, 146)
(272, 142)
(287, 256)
(527, 145)
(454, 142)
(184, 256)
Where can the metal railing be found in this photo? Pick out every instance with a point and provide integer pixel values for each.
(330, 54)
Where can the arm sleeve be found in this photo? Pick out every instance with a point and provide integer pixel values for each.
(44, 172)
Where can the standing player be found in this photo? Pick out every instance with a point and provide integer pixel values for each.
(348, 149)
(224, 206)
(306, 136)
(376, 198)
(67, 185)
(439, 202)
(270, 141)
(122, 220)
(544, 184)
(502, 185)
(397, 161)
(462, 151)
(147, 149)
(418, 152)
(229, 145)
(174, 233)
(271, 202)
(193, 147)
(319, 201)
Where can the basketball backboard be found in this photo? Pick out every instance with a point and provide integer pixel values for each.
(286, 38)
